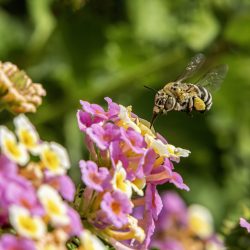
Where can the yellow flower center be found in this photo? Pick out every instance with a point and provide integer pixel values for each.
(140, 183)
(12, 147)
(27, 139)
(53, 208)
(51, 160)
(88, 245)
(28, 224)
(120, 184)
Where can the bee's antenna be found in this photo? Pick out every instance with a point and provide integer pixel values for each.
(150, 88)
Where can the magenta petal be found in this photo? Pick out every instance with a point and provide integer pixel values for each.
(96, 134)
(178, 181)
(102, 136)
(64, 185)
(75, 225)
(11, 242)
(133, 139)
(147, 162)
(117, 206)
(153, 201)
(113, 108)
(84, 120)
(7, 167)
(173, 207)
(93, 176)
(245, 224)
(94, 110)
(116, 154)
(148, 225)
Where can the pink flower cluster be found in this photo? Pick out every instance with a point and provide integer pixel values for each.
(181, 227)
(34, 189)
(120, 201)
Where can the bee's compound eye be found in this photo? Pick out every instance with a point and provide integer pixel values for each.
(160, 102)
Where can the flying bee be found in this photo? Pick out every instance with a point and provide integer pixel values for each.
(184, 96)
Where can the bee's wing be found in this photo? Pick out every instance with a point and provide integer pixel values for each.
(213, 78)
(192, 67)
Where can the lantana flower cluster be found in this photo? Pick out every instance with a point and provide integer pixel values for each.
(120, 201)
(17, 91)
(182, 227)
(35, 191)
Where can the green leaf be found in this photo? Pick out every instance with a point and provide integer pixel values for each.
(201, 30)
(237, 30)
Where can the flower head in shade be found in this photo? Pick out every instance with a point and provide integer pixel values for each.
(18, 93)
(181, 227)
(10, 242)
(200, 221)
(119, 198)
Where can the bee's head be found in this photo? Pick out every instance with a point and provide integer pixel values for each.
(163, 103)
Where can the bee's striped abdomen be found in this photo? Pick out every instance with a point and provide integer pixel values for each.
(205, 95)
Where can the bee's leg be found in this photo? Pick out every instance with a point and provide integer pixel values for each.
(190, 105)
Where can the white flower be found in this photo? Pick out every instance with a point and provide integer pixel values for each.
(53, 204)
(200, 221)
(27, 133)
(138, 185)
(54, 158)
(138, 232)
(11, 148)
(127, 121)
(25, 224)
(90, 242)
(119, 181)
(166, 150)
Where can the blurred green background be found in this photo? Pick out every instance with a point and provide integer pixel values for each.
(89, 50)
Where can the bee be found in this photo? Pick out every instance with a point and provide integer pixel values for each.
(184, 96)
